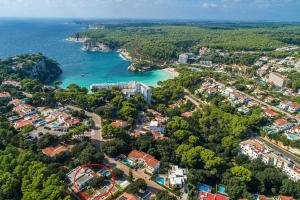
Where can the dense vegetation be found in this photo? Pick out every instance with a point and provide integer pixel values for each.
(206, 143)
(34, 66)
(162, 43)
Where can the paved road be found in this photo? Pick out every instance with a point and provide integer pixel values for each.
(96, 118)
(286, 154)
(196, 101)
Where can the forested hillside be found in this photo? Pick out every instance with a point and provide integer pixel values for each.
(166, 42)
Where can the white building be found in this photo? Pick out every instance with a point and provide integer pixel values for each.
(128, 88)
(252, 148)
(206, 63)
(278, 80)
(292, 171)
(81, 177)
(177, 176)
(256, 150)
(186, 58)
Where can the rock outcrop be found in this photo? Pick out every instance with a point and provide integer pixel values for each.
(95, 46)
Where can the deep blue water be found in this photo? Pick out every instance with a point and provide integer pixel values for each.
(48, 37)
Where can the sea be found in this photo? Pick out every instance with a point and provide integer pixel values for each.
(48, 36)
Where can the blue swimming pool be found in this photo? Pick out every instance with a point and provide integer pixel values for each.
(222, 189)
(54, 124)
(128, 162)
(204, 188)
(106, 173)
(160, 180)
(293, 137)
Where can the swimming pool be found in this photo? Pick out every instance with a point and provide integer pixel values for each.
(222, 189)
(160, 180)
(204, 188)
(293, 137)
(54, 124)
(106, 173)
(128, 162)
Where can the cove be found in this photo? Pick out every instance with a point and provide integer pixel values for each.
(80, 67)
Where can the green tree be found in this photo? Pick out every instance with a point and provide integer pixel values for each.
(130, 176)
(241, 172)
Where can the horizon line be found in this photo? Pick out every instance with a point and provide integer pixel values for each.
(150, 19)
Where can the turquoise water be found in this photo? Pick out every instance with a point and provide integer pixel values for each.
(160, 180)
(293, 137)
(222, 189)
(204, 188)
(48, 37)
(106, 173)
(127, 162)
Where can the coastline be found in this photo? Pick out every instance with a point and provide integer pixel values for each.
(172, 72)
(125, 55)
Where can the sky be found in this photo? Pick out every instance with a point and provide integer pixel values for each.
(242, 10)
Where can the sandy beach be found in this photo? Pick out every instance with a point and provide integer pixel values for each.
(172, 72)
(124, 54)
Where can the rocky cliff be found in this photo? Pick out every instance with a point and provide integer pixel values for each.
(95, 46)
(34, 66)
(46, 70)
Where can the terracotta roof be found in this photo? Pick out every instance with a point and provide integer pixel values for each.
(22, 123)
(156, 134)
(119, 123)
(5, 94)
(262, 197)
(187, 114)
(127, 196)
(53, 151)
(281, 122)
(295, 105)
(270, 112)
(73, 121)
(281, 197)
(148, 159)
(221, 197)
(210, 196)
(295, 128)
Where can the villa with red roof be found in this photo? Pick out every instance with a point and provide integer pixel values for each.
(127, 196)
(187, 114)
(270, 113)
(21, 123)
(120, 123)
(283, 124)
(150, 163)
(5, 95)
(281, 197)
(209, 196)
(294, 107)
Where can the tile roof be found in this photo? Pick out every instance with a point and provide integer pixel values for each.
(148, 159)
(5, 94)
(281, 197)
(295, 105)
(270, 112)
(53, 151)
(281, 122)
(127, 196)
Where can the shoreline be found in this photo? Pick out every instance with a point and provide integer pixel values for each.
(125, 55)
(172, 72)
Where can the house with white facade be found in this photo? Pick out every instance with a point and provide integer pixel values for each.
(128, 89)
(177, 176)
